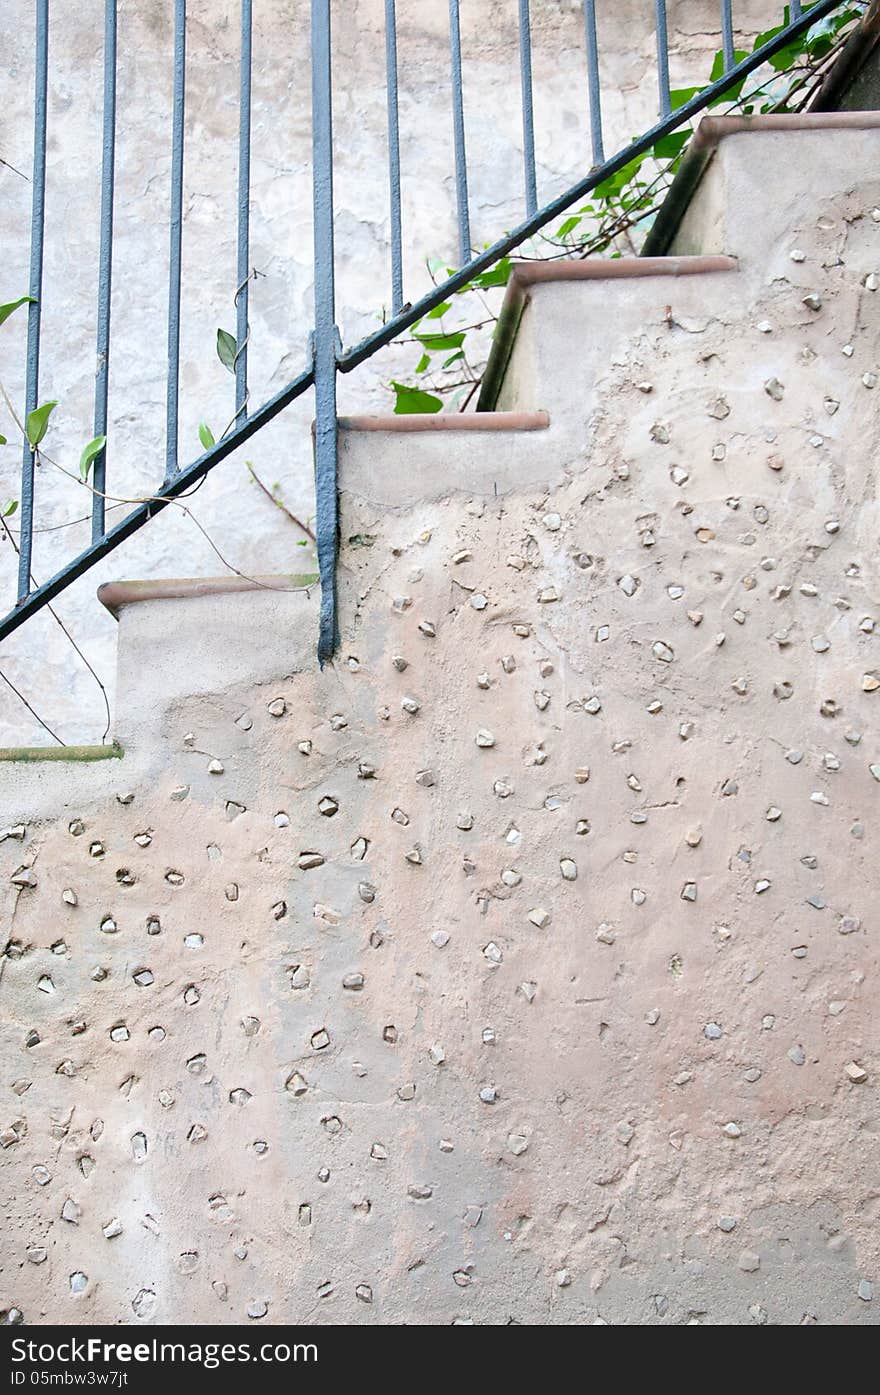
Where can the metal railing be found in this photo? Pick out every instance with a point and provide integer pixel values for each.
(327, 357)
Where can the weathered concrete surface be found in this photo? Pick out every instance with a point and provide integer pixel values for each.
(521, 966)
(247, 528)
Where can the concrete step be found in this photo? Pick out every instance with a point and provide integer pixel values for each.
(180, 639)
(746, 187)
(397, 460)
(749, 182)
(564, 322)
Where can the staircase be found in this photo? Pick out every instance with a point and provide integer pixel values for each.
(517, 966)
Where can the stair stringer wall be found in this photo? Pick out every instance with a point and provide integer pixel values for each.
(558, 1010)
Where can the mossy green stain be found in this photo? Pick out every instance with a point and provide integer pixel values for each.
(61, 753)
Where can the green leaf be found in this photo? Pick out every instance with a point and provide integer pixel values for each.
(435, 343)
(409, 400)
(90, 454)
(453, 358)
(9, 507)
(37, 423)
(497, 275)
(615, 183)
(785, 57)
(667, 147)
(2, 440)
(567, 227)
(766, 36)
(679, 95)
(423, 363)
(731, 93)
(226, 349)
(439, 310)
(6, 310)
(206, 435)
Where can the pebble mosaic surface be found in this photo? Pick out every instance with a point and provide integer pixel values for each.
(522, 966)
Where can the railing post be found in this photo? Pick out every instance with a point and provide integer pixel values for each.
(35, 290)
(176, 238)
(461, 179)
(242, 298)
(662, 57)
(105, 268)
(325, 338)
(528, 109)
(394, 157)
(593, 83)
(727, 41)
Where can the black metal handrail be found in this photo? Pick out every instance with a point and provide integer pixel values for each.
(328, 357)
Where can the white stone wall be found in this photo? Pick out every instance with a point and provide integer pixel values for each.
(251, 533)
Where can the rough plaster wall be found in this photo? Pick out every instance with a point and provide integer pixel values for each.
(519, 967)
(250, 532)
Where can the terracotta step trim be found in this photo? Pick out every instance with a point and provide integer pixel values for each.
(116, 594)
(527, 274)
(449, 421)
(710, 132)
(713, 129)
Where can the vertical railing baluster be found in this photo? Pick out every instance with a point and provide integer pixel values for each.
(325, 339)
(594, 88)
(244, 204)
(528, 109)
(727, 34)
(461, 184)
(794, 12)
(105, 267)
(662, 58)
(35, 290)
(176, 237)
(393, 157)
